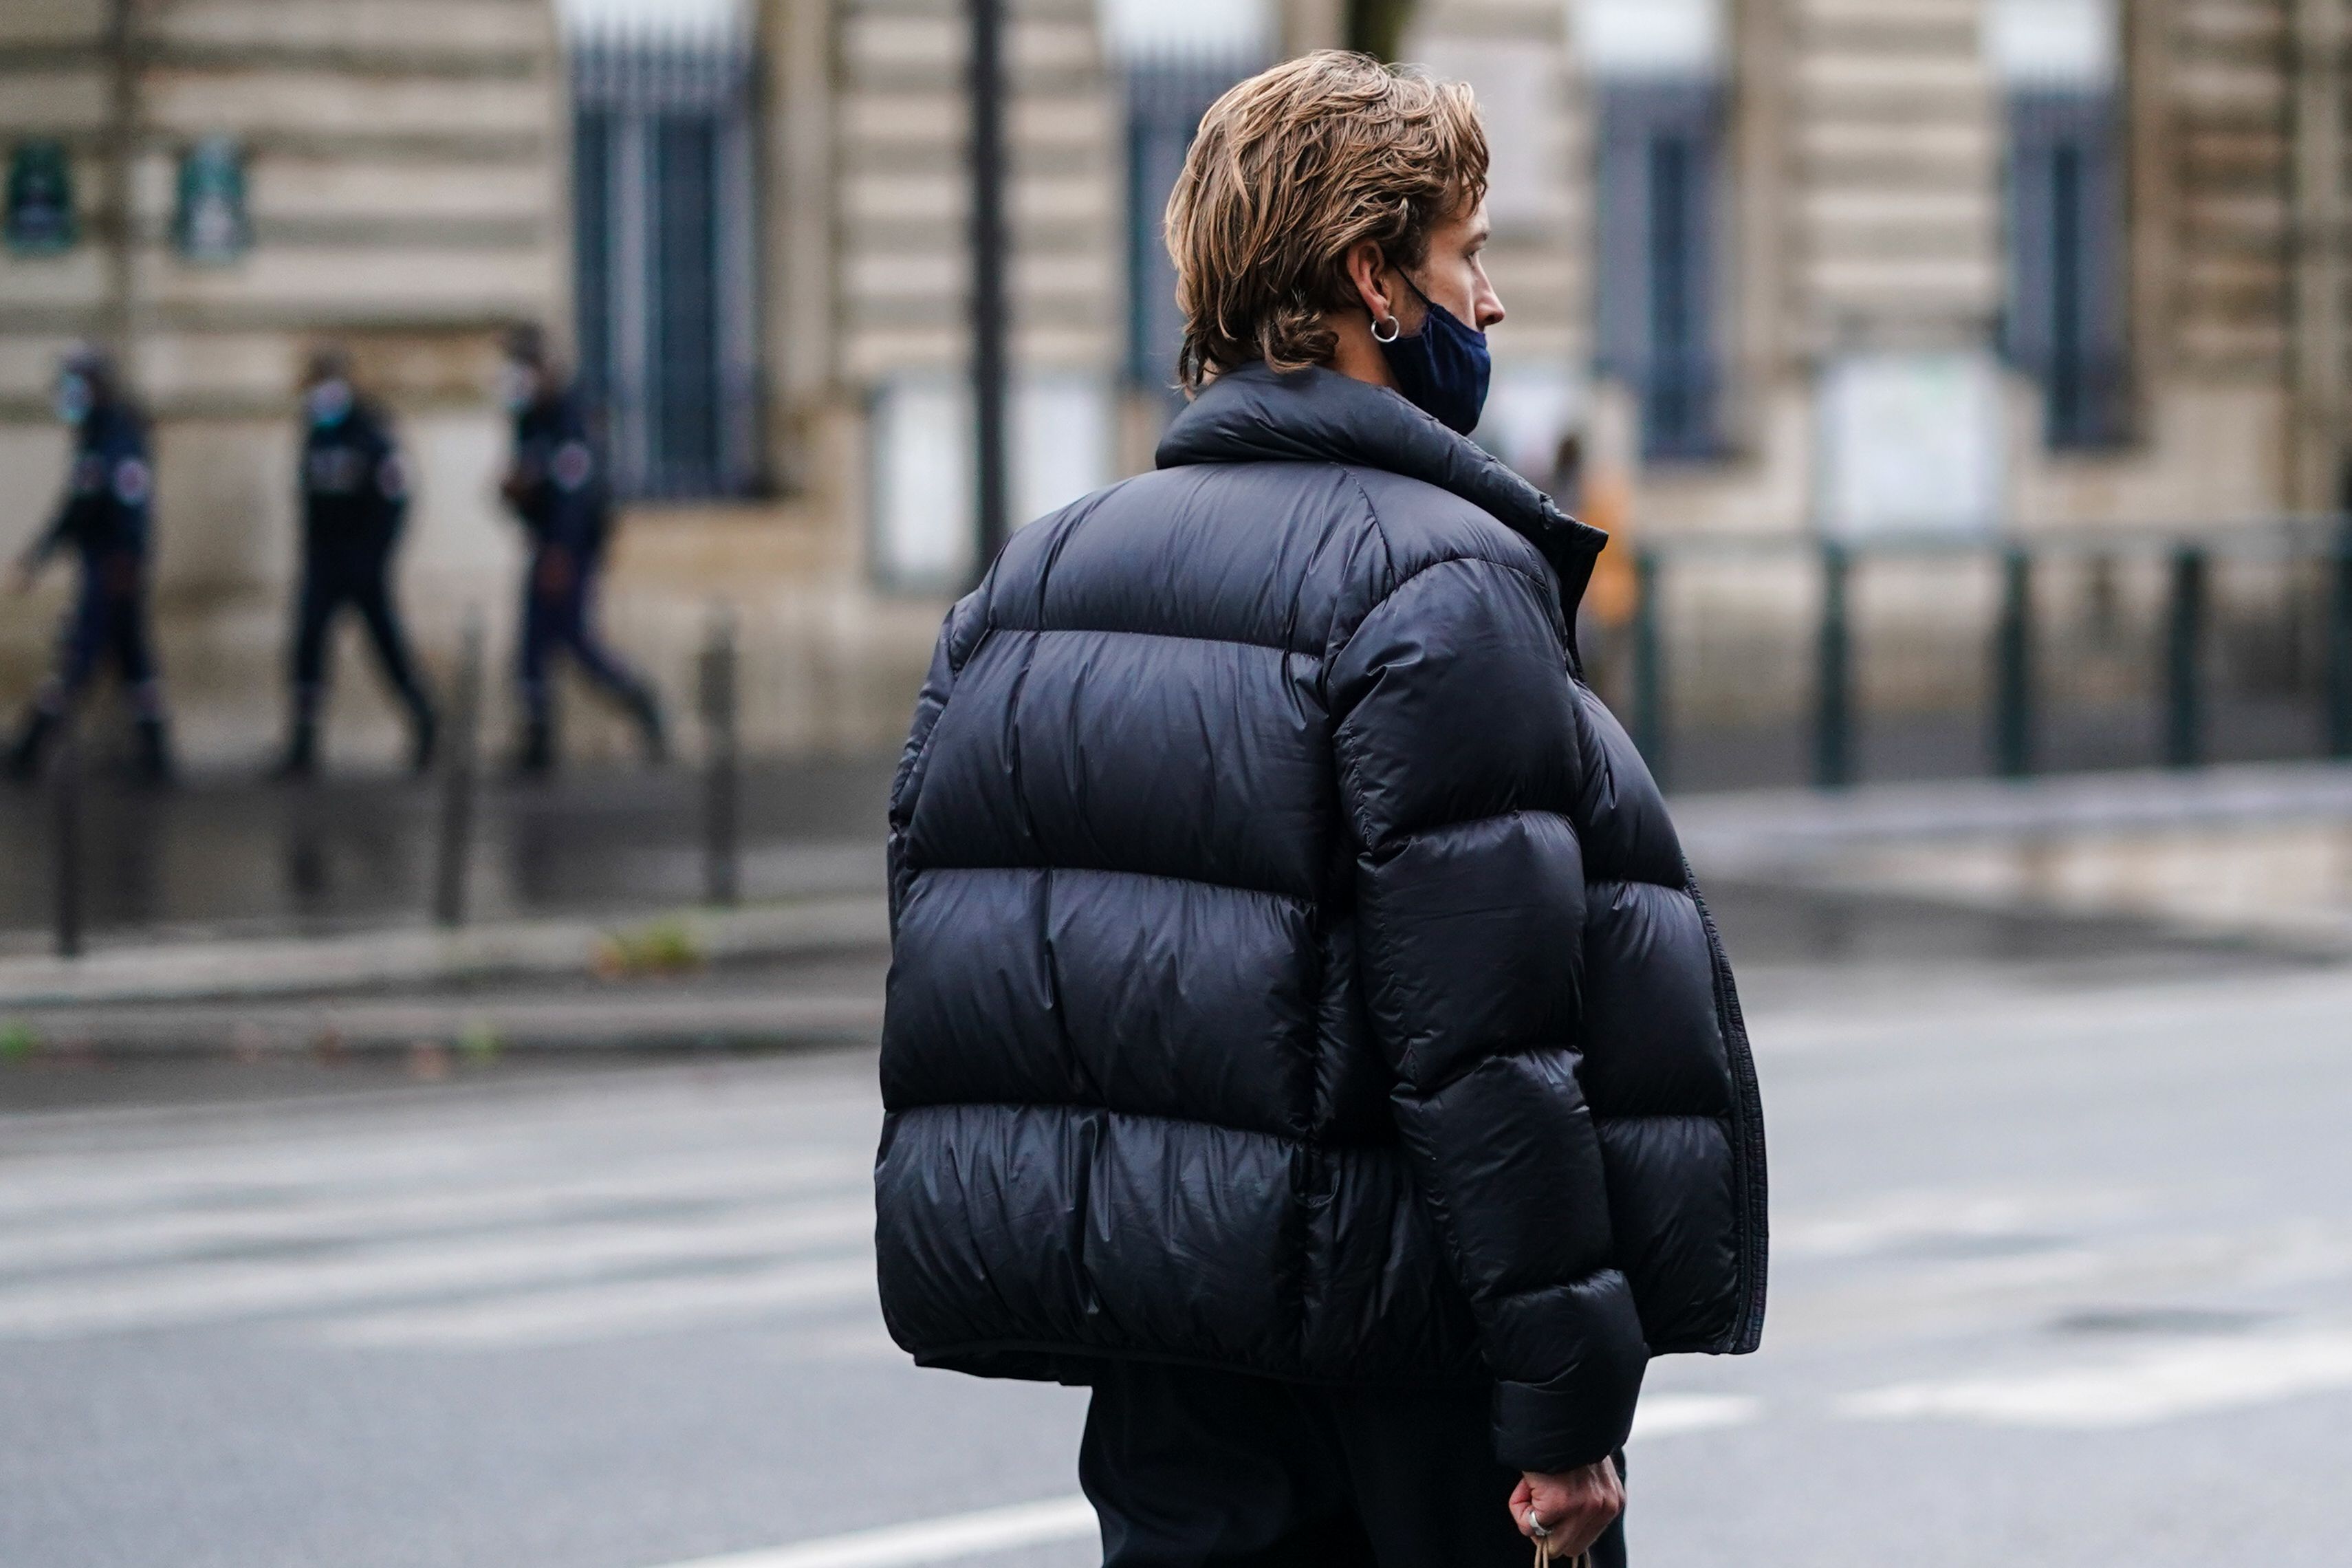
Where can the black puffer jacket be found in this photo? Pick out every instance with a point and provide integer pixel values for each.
(1295, 969)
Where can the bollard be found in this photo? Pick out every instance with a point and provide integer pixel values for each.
(2013, 668)
(2339, 643)
(66, 804)
(2184, 707)
(458, 780)
(1833, 689)
(1649, 664)
(721, 795)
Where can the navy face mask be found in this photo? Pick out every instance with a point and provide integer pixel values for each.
(1442, 369)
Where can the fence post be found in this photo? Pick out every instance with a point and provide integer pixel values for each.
(2184, 707)
(2340, 642)
(458, 780)
(1833, 689)
(2014, 668)
(1649, 664)
(721, 792)
(66, 806)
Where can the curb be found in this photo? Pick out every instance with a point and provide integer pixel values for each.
(232, 968)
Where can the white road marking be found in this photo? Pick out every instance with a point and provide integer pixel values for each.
(151, 1236)
(1887, 1221)
(2175, 1380)
(609, 1311)
(947, 1539)
(1664, 1415)
(201, 1292)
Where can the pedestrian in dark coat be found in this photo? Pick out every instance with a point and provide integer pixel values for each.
(556, 486)
(354, 487)
(107, 518)
(1303, 1028)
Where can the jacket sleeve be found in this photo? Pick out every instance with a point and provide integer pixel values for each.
(958, 636)
(1455, 751)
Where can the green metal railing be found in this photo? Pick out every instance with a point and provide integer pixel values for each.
(2014, 684)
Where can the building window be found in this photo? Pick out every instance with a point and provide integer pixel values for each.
(1657, 70)
(1165, 100)
(2064, 314)
(664, 206)
(2063, 319)
(1656, 195)
(1174, 60)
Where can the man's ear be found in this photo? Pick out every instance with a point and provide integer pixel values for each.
(1366, 273)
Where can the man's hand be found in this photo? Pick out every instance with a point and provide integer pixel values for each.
(1568, 1511)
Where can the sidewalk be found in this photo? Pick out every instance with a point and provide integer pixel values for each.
(235, 858)
(597, 875)
(2259, 853)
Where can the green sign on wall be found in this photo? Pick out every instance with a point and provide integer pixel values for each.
(210, 223)
(40, 199)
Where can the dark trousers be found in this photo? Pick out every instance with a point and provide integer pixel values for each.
(561, 620)
(109, 621)
(1194, 1468)
(364, 585)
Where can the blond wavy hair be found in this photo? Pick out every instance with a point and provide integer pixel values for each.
(1289, 171)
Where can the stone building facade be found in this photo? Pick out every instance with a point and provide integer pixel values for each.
(1958, 268)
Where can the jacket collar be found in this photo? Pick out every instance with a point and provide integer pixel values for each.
(1254, 414)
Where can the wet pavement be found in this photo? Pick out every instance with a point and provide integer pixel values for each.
(233, 856)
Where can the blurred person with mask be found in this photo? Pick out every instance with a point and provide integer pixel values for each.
(107, 517)
(1303, 1029)
(555, 485)
(354, 487)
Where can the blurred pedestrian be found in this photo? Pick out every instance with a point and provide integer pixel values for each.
(556, 485)
(107, 517)
(354, 487)
(1567, 485)
(1302, 1026)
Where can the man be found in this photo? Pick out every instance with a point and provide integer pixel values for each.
(106, 518)
(354, 499)
(556, 487)
(1303, 1029)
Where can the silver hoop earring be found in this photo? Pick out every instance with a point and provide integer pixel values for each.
(1396, 330)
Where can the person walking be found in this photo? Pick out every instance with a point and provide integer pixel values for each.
(555, 485)
(1303, 1028)
(107, 518)
(354, 489)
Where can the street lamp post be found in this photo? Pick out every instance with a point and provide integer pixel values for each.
(989, 357)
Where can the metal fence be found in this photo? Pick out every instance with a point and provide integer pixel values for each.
(2179, 627)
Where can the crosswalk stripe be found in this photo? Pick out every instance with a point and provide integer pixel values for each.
(2161, 1384)
(45, 1189)
(606, 1311)
(198, 1292)
(947, 1539)
(1665, 1414)
(145, 1235)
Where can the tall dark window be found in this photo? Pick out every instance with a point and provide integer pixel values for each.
(664, 209)
(2064, 321)
(1165, 100)
(1658, 166)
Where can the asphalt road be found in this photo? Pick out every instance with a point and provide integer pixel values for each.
(2064, 1234)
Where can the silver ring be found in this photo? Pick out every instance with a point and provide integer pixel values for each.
(1536, 1523)
(1396, 330)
